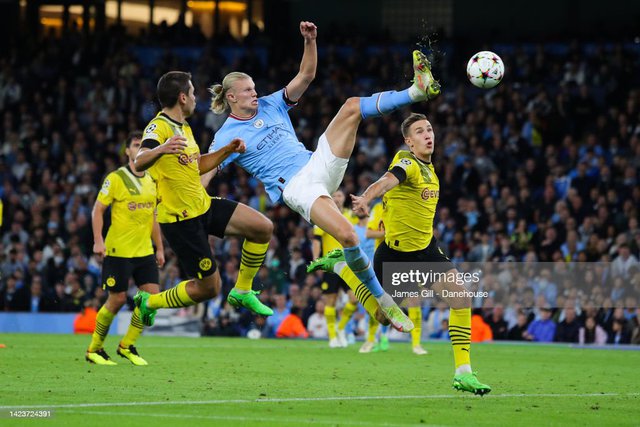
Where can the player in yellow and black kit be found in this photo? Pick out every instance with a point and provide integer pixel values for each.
(127, 250)
(411, 190)
(188, 215)
(332, 284)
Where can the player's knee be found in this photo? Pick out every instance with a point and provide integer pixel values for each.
(209, 287)
(352, 106)
(347, 237)
(264, 231)
(116, 300)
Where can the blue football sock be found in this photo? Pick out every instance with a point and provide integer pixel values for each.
(384, 103)
(359, 263)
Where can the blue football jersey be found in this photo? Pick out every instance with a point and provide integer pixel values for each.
(274, 154)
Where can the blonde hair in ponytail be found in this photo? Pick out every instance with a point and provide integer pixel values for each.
(219, 103)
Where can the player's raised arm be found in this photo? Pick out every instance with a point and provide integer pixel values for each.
(360, 204)
(302, 80)
(210, 161)
(148, 155)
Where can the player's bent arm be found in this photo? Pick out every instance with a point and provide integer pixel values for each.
(380, 187)
(206, 178)
(297, 87)
(152, 150)
(97, 222)
(210, 161)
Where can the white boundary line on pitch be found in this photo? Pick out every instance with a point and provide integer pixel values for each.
(297, 421)
(310, 399)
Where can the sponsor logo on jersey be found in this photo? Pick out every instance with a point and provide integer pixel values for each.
(430, 194)
(205, 264)
(185, 159)
(135, 206)
(273, 138)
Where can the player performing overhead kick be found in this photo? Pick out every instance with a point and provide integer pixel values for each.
(304, 180)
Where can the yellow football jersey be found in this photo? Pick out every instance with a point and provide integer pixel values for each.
(328, 242)
(180, 193)
(409, 208)
(375, 222)
(133, 202)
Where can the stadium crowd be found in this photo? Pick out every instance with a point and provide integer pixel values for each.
(544, 168)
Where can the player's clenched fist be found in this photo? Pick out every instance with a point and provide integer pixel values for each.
(308, 30)
(237, 146)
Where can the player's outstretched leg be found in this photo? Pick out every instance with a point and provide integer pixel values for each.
(424, 88)
(336, 262)
(341, 132)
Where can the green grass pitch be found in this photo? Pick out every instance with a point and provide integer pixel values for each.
(215, 381)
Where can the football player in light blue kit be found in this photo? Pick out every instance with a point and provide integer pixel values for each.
(304, 180)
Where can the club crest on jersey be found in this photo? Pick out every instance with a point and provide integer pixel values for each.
(258, 124)
(111, 282)
(205, 264)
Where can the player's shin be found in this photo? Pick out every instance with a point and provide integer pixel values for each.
(134, 330)
(460, 334)
(172, 298)
(103, 322)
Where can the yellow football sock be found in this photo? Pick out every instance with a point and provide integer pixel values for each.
(252, 258)
(134, 331)
(330, 315)
(171, 298)
(373, 328)
(460, 333)
(359, 289)
(347, 312)
(103, 321)
(415, 314)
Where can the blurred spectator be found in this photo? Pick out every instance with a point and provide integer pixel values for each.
(624, 262)
(433, 325)
(568, 330)
(542, 329)
(497, 323)
(480, 331)
(291, 326)
(518, 332)
(317, 324)
(592, 333)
